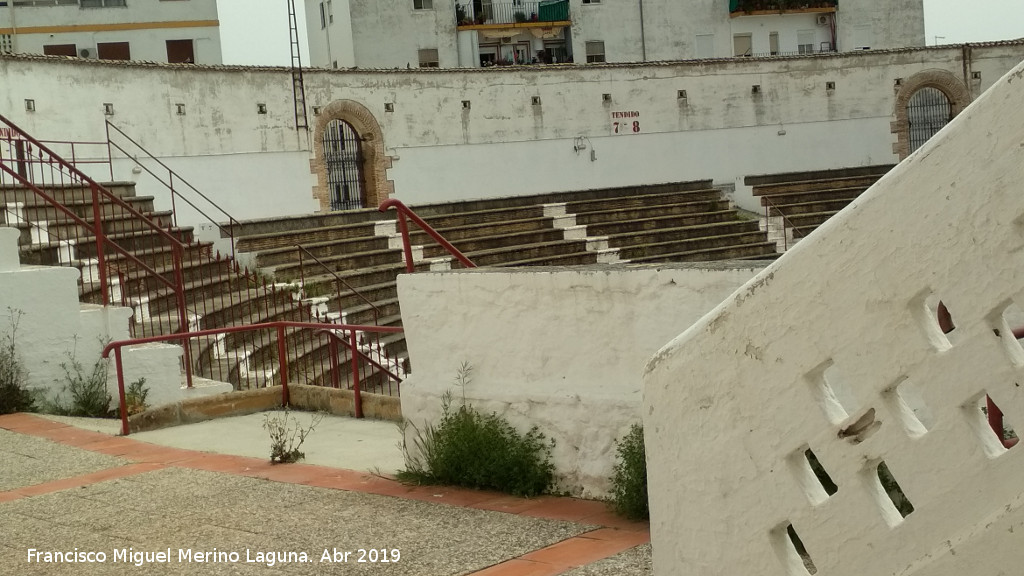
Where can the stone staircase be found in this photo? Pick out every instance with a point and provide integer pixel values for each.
(796, 203)
(675, 222)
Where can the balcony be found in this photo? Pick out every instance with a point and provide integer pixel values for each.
(481, 14)
(769, 7)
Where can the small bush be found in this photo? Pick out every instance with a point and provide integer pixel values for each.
(287, 436)
(629, 481)
(88, 391)
(475, 450)
(135, 397)
(14, 397)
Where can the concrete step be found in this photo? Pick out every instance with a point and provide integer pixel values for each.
(498, 256)
(638, 226)
(812, 219)
(660, 235)
(571, 259)
(743, 251)
(863, 182)
(342, 263)
(847, 194)
(473, 245)
(39, 210)
(284, 239)
(270, 226)
(344, 299)
(456, 233)
(141, 241)
(641, 251)
(790, 210)
(366, 315)
(630, 214)
(643, 201)
(439, 222)
(64, 193)
(476, 205)
(65, 228)
(876, 171)
(291, 255)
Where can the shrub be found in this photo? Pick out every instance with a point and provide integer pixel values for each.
(476, 450)
(629, 481)
(88, 391)
(287, 436)
(14, 397)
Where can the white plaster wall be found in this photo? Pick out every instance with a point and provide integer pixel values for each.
(887, 24)
(617, 24)
(731, 403)
(442, 151)
(389, 34)
(787, 26)
(552, 348)
(146, 44)
(332, 43)
(52, 327)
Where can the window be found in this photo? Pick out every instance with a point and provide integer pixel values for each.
(773, 43)
(113, 51)
(595, 52)
(180, 52)
(805, 41)
(422, 4)
(60, 50)
(6, 44)
(103, 3)
(742, 45)
(705, 46)
(591, 1)
(323, 16)
(928, 111)
(428, 58)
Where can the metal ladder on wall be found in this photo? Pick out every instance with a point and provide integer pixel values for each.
(298, 84)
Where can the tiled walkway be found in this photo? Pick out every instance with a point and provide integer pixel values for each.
(594, 533)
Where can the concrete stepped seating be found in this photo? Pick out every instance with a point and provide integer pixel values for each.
(370, 258)
(630, 214)
(498, 256)
(642, 201)
(478, 244)
(571, 259)
(64, 192)
(192, 272)
(64, 228)
(688, 245)
(639, 225)
(797, 203)
(662, 235)
(287, 224)
(503, 214)
(39, 210)
(304, 236)
(455, 234)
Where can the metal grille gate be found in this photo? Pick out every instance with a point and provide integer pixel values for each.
(927, 112)
(343, 157)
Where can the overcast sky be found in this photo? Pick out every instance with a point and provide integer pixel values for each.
(256, 31)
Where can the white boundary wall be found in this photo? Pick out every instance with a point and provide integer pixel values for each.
(842, 324)
(257, 165)
(562, 349)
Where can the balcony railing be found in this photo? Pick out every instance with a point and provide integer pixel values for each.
(513, 13)
(781, 6)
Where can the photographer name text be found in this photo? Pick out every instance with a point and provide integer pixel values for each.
(214, 556)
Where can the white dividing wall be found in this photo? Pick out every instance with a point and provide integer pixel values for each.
(553, 348)
(503, 143)
(840, 335)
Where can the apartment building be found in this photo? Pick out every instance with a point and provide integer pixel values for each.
(482, 33)
(154, 30)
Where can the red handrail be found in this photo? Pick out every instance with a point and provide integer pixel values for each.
(302, 278)
(403, 212)
(279, 326)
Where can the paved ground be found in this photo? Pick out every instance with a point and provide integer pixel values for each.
(63, 487)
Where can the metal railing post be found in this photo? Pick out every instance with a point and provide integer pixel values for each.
(125, 430)
(332, 347)
(101, 261)
(282, 357)
(110, 155)
(178, 255)
(357, 398)
(403, 227)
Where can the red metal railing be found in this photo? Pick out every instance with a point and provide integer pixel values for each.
(131, 255)
(338, 280)
(403, 227)
(354, 378)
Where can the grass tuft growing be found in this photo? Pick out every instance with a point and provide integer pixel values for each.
(14, 396)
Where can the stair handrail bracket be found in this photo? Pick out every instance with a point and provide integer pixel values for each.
(405, 212)
(279, 327)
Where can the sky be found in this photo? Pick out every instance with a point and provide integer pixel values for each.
(255, 32)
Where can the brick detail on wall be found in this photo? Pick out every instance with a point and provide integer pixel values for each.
(954, 89)
(375, 161)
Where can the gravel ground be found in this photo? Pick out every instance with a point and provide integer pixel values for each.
(28, 460)
(180, 509)
(632, 562)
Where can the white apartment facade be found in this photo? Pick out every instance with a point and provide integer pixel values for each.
(176, 31)
(482, 33)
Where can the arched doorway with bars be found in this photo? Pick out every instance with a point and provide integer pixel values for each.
(349, 160)
(925, 103)
(343, 161)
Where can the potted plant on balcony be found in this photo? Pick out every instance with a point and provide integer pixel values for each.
(480, 18)
(460, 15)
(520, 17)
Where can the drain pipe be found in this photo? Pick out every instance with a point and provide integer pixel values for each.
(643, 37)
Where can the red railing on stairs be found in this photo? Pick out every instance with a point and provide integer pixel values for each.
(129, 253)
(356, 357)
(403, 227)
